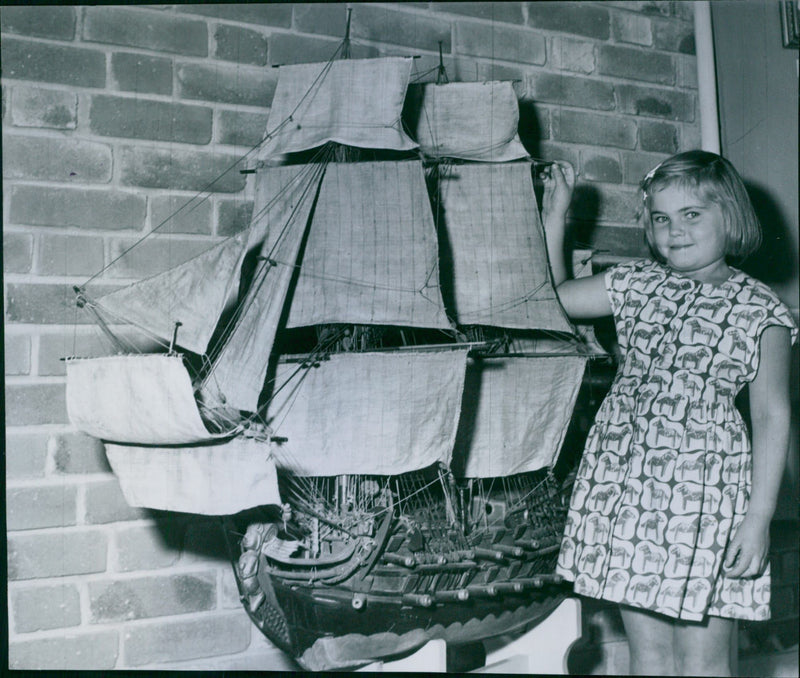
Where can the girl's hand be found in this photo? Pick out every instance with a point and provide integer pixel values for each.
(748, 551)
(559, 182)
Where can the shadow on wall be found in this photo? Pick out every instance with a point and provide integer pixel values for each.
(530, 129)
(776, 259)
(190, 536)
(776, 263)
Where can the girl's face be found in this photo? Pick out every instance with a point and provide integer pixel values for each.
(689, 232)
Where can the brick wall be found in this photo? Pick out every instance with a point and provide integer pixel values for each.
(113, 117)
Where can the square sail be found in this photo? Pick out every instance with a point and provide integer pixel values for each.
(368, 413)
(219, 479)
(146, 399)
(357, 102)
(372, 253)
(499, 270)
(468, 120)
(515, 415)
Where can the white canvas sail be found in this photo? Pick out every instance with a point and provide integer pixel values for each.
(372, 253)
(499, 260)
(468, 120)
(516, 413)
(145, 399)
(193, 294)
(369, 413)
(217, 479)
(279, 191)
(239, 370)
(357, 102)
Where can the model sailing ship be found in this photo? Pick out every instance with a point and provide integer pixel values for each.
(375, 378)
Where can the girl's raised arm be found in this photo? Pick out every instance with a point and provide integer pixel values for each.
(580, 297)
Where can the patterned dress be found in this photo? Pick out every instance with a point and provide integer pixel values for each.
(665, 477)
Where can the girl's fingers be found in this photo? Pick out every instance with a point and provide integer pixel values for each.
(558, 172)
(564, 170)
(734, 551)
(744, 564)
(753, 569)
(738, 570)
(736, 561)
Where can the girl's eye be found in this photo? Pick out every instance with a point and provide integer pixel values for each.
(693, 215)
(659, 219)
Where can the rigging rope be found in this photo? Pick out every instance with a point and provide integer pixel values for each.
(205, 192)
(266, 263)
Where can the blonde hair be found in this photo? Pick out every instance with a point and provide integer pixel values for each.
(713, 179)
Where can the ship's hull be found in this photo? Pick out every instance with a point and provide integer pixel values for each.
(325, 632)
(414, 576)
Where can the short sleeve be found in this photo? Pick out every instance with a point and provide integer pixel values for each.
(757, 307)
(780, 315)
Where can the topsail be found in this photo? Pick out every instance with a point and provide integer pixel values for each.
(356, 102)
(467, 120)
(372, 254)
(499, 258)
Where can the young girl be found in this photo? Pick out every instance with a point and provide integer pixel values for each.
(671, 506)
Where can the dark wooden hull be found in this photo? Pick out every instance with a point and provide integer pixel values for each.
(325, 632)
(414, 578)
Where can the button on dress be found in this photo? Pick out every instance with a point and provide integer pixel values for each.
(665, 477)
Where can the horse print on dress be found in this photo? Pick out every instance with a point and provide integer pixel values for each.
(708, 531)
(649, 557)
(586, 585)
(695, 358)
(670, 405)
(663, 433)
(633, 490)
(690, 385)
(675, 289)
(616, 584)
(596, 529)
(621, 555)
(642, 590)
(603, 497)
(682, 530)
(725, 369)
(670, 595)
(697, 593)
(591, 560)
(659, 463)
(656, 495)
(712, 309)
(747, 318)
(663, 482)
(699, 331)
(625, 527)
(658, 308)
(691, 467)
(645, 337)
(610, 467)
(735, 344)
